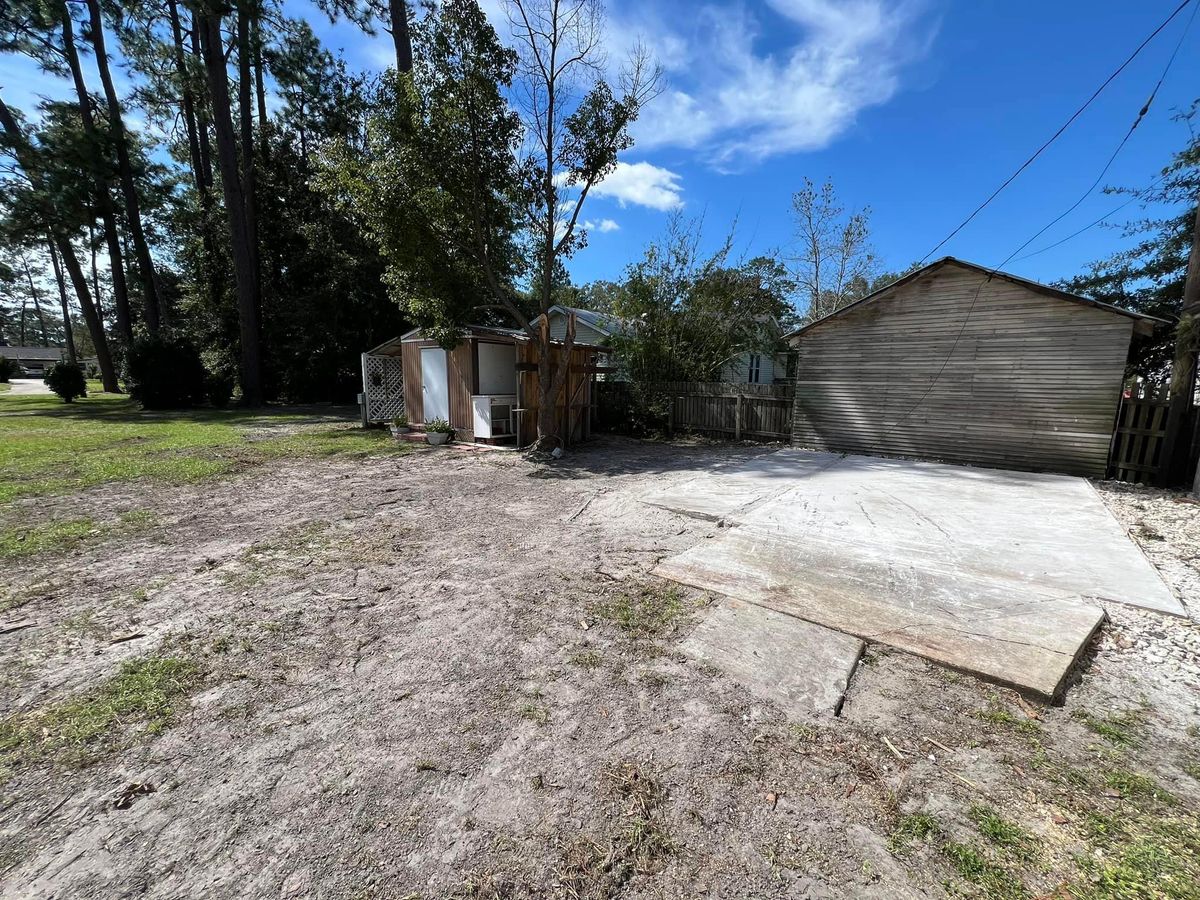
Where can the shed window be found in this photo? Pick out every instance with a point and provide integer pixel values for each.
(754, 369)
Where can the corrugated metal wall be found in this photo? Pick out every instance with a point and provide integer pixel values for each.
(1033, 381)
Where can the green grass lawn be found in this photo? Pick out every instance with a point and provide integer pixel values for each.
(5, 386)
(51, 447)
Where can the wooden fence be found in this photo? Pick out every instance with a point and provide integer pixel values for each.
(712, 408)
(1137, 440)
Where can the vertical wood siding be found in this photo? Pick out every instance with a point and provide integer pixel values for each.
(459, 374)
(1029, 381)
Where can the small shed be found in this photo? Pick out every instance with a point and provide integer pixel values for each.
(486, 386)
(958, 362)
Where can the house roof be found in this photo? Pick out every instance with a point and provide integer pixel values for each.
(392, 347)
(1035, 286)
(31, 353)
(602, 322)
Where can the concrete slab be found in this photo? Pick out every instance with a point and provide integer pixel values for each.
(802, 667)
(989, 571)
(1001, 629)
(729, 490)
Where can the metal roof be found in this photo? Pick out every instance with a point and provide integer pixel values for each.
(991, 273)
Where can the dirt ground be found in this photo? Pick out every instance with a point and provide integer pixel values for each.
(449, 674)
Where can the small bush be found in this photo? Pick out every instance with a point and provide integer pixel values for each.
(164, 374)
(218, 389)
(438, 426)
(66, 380)
(8, 369)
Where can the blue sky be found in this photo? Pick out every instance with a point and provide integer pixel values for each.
(915, 108)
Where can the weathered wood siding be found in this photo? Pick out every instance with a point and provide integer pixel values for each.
(1033, 381)
(460, 375)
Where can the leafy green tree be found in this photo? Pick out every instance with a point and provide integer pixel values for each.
(686, 317)
(833, 263)
(476, 203)
(1149, 276)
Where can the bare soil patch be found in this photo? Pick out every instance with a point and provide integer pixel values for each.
(449, 674)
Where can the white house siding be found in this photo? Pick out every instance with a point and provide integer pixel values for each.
(584, 334)
(769, 368)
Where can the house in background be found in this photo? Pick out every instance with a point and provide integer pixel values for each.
(746, 368)
(33, 361)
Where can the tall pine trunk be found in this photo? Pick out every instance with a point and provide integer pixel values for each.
(26, 159)
(103, 197)
(209, 21)
(133, 208)
(37, 301)
(68, 330)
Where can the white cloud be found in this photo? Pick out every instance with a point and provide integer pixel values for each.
(643, 184)
(739, 104)
(603, 226)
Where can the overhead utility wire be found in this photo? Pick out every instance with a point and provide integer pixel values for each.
(1121, 146)
(1075, 115)
(1074, 234)
(974, 299)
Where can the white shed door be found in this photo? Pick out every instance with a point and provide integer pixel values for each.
(435, 387)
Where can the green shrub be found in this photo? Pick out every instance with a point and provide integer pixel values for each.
(218, 389)
(66, 379)
(8, 369)
(438, 426)
(164, 374)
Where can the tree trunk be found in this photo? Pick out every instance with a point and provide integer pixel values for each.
(209, 22)
(37, 301)
(103, 198)
(133, 208)
(188, 100)
(25, 159)
(202, 116)
(260, 90)
(1177, 440)
(398, 13)
(246, 128)
(68, 329)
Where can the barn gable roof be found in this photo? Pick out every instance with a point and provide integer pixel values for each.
(1035, 286)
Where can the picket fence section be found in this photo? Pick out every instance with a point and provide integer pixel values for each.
(713, 408)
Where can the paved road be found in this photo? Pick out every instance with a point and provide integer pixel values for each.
(29, 386)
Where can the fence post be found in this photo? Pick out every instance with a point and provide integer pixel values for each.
(737, 417)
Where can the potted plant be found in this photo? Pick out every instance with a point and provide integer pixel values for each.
(438, 432)
(400, 424)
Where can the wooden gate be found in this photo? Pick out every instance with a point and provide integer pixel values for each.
(1137, 440)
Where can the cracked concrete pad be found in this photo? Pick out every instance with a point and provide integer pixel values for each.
(1050, 531)
(801, 667)
(729, 490)
(1003, 629)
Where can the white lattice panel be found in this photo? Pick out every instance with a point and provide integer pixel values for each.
(383, 387)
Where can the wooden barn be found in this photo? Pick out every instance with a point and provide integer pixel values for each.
(960, 363)
(486, 386)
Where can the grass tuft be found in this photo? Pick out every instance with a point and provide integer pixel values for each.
(46, 537)
(1004, 834)
(911, 828)
(972, 865)
(145, 691)
(650, 612)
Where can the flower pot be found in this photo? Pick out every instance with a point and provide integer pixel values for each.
(436, 438)
(399, 430)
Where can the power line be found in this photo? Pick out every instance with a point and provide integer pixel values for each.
(992, 272)
(1089, 227)
(1075, 115)
(1121, 146)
